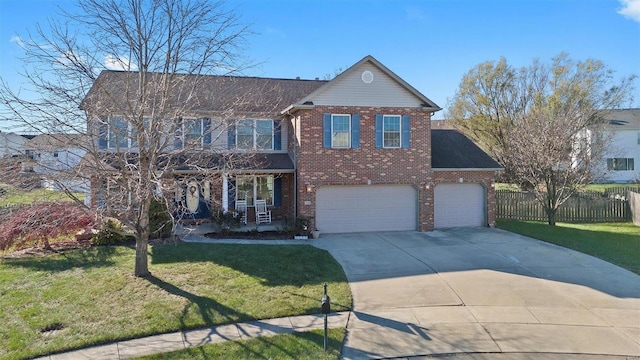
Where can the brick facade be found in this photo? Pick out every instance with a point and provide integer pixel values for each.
(318, 166)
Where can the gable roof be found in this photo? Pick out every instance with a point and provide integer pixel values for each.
(307, 101)
(450, 149)
(622, 119)
(203, 93)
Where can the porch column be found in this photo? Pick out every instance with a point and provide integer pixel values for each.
(225, 193)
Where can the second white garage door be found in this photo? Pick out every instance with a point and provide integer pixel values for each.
(458, 205)
(342, 209)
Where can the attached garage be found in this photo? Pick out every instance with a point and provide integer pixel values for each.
(343, 209)
(459, 205)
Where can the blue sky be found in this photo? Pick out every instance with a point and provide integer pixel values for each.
(429, 43)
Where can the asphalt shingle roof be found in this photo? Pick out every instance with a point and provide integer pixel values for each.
(452, 150)
(209, 94)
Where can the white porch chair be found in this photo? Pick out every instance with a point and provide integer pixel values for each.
(241, 208)
(262, 214)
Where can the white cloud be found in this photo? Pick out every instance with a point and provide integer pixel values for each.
(18, 40)
(630, 9)
(112, 62)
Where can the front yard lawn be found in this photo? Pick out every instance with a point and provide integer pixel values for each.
(304, 345)
(15, 196)
(87, 297)
(617, 243)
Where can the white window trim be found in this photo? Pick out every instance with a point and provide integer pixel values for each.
(254, 127)
(399, 132)
(255, 188)
(184, 132)
(348, 132)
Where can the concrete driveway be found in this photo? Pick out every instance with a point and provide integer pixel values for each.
(484, 292)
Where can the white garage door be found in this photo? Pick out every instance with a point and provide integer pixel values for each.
(366, 208)
(459, 205)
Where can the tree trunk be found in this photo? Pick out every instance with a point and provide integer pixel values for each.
(551, 216)
(142, 240)
(142, 263)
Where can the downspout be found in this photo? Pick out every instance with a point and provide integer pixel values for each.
(295, 167)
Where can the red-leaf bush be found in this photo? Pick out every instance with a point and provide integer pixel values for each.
(35, 224)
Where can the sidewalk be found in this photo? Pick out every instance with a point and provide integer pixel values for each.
(198, 337)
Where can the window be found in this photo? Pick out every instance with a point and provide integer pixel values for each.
(55, 154)
(118, 133)
(254, 134)
(192, 130)
(639, 138)
(252, 188)
(340, 131)
(391, 131)
(620, 164)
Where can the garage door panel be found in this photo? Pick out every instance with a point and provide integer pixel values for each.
(366, 208)
(459, 205)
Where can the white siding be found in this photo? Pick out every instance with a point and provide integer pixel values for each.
(350, 90)
(459, 205)
(11, 144)
(342, 209)
(624, 144)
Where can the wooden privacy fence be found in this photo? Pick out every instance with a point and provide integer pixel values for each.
(587, 206)
(634, 205)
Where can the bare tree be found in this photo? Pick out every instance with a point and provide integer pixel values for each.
(145, 121)
(543, 123)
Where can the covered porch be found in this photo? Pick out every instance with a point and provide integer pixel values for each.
(210, 227)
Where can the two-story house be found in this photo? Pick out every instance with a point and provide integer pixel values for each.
(351, 154)
(623, 131)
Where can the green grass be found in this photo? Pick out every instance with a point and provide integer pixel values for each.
(16, 196)
(304, 345)
(617, 243)
(603, 187)
(93, 297)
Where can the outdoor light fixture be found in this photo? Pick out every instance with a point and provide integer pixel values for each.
(493, 183)
(427, 185)
(309, 188)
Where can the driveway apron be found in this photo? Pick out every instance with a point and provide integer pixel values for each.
(482, 291)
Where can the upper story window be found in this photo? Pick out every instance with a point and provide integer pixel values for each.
(192, 130)
(391, 131)
(255, 134)
(118, 133)
(620, 164)
(340, 131)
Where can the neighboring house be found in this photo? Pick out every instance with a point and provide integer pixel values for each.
(351, 154)
(623, 153)
(12, 144)
(55, 156)
(56, 152)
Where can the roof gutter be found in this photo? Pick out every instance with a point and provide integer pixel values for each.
(252, 171)
(295, 107)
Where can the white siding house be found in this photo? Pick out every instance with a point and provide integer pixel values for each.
(11, 144)
(622, 157)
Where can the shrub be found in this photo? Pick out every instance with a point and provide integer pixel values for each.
(160, 222)
(38, 223)
(111, 233)
(226, 220)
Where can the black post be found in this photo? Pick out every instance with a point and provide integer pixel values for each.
(326, 308)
